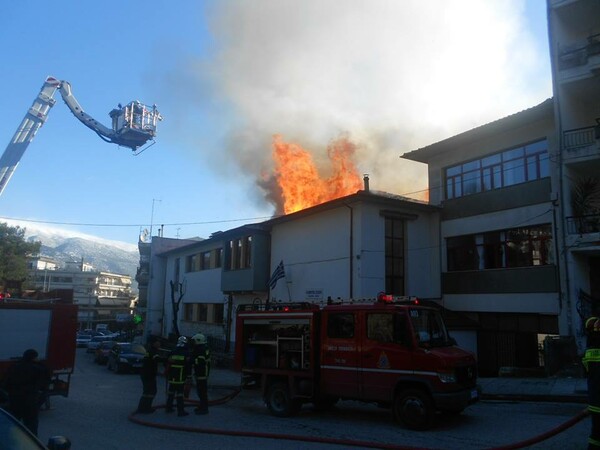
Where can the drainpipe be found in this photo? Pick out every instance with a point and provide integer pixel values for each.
(351, 259)
(229, 312)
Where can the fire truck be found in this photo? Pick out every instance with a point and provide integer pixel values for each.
(392, 351)
(133, 125)
(48, 328)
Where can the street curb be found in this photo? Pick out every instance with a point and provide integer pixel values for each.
(580, 398)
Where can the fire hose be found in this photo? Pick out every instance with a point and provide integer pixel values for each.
(133, 417)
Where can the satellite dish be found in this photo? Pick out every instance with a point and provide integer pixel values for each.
(144, 235)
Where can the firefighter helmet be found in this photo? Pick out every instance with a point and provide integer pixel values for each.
(592, 325)
(182, 341)
(199, 339)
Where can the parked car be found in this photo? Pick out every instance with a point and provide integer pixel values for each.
(101, 355)
(16, 436)
(83, 339)
(96, 341)
(125, 357)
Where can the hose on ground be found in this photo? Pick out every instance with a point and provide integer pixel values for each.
(133, 417)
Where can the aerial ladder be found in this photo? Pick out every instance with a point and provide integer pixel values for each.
(133, 125)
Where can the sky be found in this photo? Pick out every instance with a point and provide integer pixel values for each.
(227, 76)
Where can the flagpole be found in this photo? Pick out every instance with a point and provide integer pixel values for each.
(288, 289)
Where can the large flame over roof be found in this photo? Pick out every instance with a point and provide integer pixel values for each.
(299, 180)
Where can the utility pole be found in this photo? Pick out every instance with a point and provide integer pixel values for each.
(152, 216)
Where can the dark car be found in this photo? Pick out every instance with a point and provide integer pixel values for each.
(101, 353)
(83, 339)
(125, 357)
(13, 435)
(96, 341)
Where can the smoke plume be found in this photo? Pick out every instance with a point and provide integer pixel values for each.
(390, 75)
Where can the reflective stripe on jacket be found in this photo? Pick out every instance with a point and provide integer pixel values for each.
(591, 355)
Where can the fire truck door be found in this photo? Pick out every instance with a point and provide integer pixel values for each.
(386, 355)
(339, 355)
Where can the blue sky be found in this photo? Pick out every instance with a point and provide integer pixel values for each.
(227, 76)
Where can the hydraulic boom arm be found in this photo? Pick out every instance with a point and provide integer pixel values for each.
(133, 125)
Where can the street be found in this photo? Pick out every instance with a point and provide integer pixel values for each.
(95, 417)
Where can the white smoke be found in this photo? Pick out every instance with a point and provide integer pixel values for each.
(393, 75)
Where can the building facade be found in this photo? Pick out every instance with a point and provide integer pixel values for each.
(101, 296)
(498, 252)
(574, 34)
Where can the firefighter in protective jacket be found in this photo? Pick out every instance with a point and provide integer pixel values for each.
(591, 362)
(178, 371)
(201, 362)
(148, 375)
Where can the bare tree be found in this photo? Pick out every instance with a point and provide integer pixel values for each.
(175, 303)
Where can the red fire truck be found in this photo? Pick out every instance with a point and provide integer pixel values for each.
(391, 351)
(49, 328)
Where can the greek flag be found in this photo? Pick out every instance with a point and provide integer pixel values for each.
(277, 274)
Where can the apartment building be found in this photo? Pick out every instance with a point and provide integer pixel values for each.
(497, 227)
(101, 295)
(574, 34)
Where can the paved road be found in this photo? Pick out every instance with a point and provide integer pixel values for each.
(95, 417)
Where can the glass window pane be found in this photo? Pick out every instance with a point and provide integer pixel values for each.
(532, 168)
(497, 177)
(544, 166)
(471, 183)
(458, 187)
(449, 190)
(473, 165)
(514, 172)
(487, 179)
(512, 154)
(491, 160)
(451, 171)
(536, 147)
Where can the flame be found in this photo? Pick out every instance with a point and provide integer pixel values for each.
(299, 180)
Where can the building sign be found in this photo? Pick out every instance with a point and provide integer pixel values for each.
(314, 294)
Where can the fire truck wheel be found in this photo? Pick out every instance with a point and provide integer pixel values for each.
(414, 408)
(280, 402)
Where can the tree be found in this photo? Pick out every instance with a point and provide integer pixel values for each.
(175, 303)
(14, 250)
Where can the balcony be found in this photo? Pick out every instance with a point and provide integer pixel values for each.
(583, 224)
(582, 143)
(580, 61)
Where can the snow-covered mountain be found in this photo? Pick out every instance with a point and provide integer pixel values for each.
(102, 254)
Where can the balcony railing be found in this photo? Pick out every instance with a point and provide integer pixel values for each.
(583, 224)
(580, 137)
(579, 56)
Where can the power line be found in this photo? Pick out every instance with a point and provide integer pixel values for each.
(137, 225)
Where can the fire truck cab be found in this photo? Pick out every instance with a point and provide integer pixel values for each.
(390, 351)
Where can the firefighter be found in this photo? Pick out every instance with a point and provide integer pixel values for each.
(178, 371)
(148, 376)
(26, 381)
(591, 362)
(201, 362)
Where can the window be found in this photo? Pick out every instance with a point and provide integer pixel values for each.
(205, 256)
(201, 312)
(517, 247)
(380, 327)
(340, 326)
(218, 313)
(514, 166)
(192, 263)
(240, 253)
(188, 311)
(394, 256)
(218, 257)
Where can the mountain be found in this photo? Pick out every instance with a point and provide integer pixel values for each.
(104, 255)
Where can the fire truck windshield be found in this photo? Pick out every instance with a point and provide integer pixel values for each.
(430, 330)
